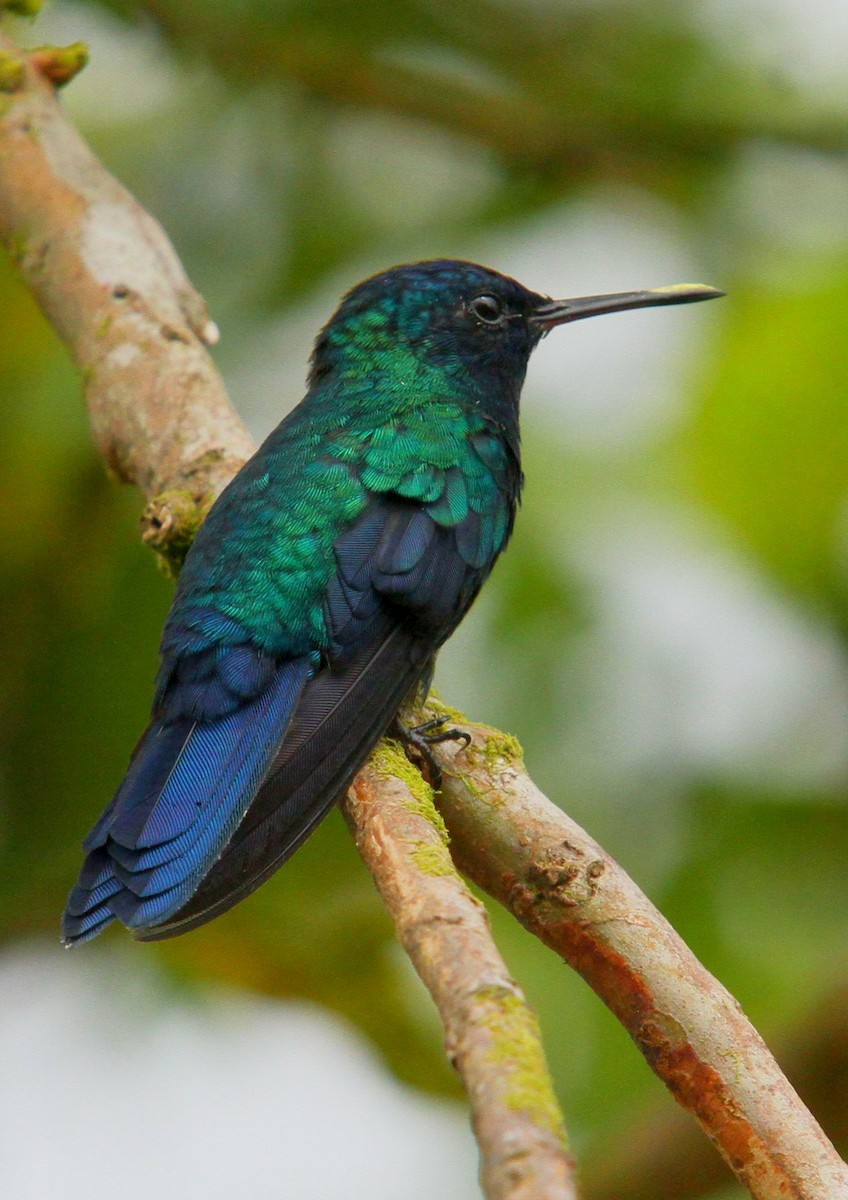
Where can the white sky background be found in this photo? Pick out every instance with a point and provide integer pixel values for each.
(109, 1086)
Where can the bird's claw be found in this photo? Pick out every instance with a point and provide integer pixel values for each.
(417, 740)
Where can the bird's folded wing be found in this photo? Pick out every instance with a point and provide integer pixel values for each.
(400, 585)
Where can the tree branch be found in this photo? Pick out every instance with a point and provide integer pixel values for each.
(491, 1036)
(660, 1155)
(528, 854)
(112, 286)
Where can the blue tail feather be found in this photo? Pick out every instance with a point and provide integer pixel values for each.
(184, 795)
(156, 752)
(88, 926)
(83, 899)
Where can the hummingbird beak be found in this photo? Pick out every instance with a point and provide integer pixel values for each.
(558, 312)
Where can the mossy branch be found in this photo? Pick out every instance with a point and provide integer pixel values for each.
(491, 1035)
(110, 282)
(528, 854)
(660, 1155)
(59, 64)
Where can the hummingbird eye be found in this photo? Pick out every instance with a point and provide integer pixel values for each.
(487, 309)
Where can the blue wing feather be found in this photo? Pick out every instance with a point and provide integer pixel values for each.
(184, 795)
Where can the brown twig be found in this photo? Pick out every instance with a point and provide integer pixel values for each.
(111, 284)
(528, 854)
(491, 1036)
(661, 1155)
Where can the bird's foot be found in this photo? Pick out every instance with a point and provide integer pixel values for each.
(417, 740)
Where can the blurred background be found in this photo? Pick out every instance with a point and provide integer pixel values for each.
(667, 634)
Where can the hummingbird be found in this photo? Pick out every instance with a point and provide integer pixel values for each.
(320, 587)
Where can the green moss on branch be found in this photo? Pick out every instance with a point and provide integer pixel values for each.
(59, 64)
(517, 1046)
(432, 858)
(390, 762)
(170, 523)
(11, 72)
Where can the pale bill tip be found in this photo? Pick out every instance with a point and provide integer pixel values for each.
(696, 291)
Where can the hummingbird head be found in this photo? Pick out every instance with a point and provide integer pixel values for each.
(459, 317)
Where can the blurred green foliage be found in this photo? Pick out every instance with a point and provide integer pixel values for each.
(282, 145)
(780, 386)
